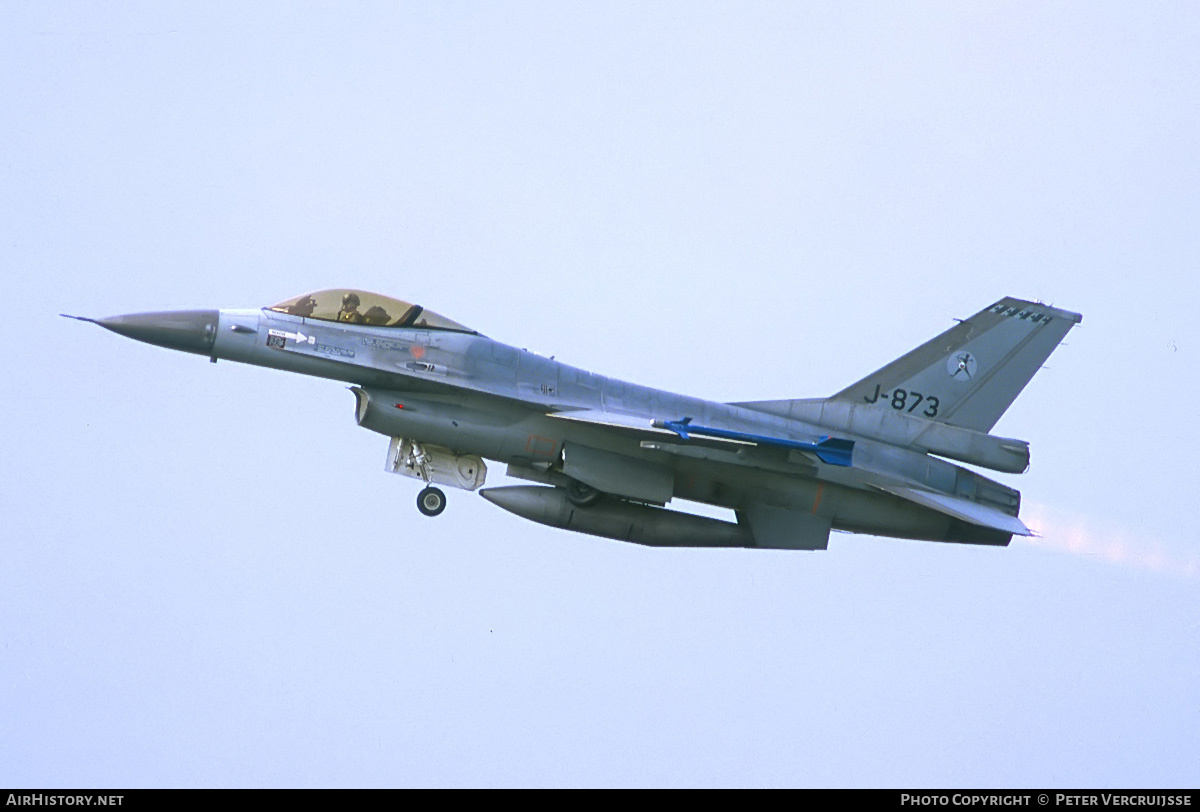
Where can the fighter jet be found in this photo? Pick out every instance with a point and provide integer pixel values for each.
(878, 457)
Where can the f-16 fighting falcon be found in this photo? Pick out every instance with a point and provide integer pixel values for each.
(607, 456)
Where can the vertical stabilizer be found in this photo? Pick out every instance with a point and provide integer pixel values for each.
(970, 374)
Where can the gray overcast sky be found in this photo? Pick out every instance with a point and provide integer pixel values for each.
(207, 578)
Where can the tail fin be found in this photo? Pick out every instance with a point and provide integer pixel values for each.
(970, 374)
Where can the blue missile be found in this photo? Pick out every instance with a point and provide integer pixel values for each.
(830, 450)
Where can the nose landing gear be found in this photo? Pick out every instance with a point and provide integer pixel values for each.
(433, 463)
(431, 501)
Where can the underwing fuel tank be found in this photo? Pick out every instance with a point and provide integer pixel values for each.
(618, 519)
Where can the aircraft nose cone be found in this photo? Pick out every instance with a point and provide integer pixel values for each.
(186, 330)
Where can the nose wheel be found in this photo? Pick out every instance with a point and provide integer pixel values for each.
(431, 501)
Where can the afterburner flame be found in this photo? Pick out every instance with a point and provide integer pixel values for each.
(1059, 531)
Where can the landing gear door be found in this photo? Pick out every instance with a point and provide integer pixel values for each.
(433, 463)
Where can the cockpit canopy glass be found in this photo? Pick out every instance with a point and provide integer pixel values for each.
(361, 307)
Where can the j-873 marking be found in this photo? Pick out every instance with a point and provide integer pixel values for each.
(899, 399)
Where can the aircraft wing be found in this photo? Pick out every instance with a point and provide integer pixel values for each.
(964, 509)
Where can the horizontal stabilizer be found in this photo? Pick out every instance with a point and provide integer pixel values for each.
(963, 509)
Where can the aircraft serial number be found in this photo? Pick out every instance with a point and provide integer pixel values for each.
(903, 400)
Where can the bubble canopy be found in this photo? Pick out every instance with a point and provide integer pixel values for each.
(362, 307)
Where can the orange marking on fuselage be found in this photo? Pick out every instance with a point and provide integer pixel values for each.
(817, 501)
(541, 446)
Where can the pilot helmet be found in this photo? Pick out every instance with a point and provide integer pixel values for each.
(350, 300)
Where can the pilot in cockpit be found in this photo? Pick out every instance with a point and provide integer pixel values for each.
(349, 311)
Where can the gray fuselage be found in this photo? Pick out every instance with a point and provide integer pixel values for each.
(468, 393)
